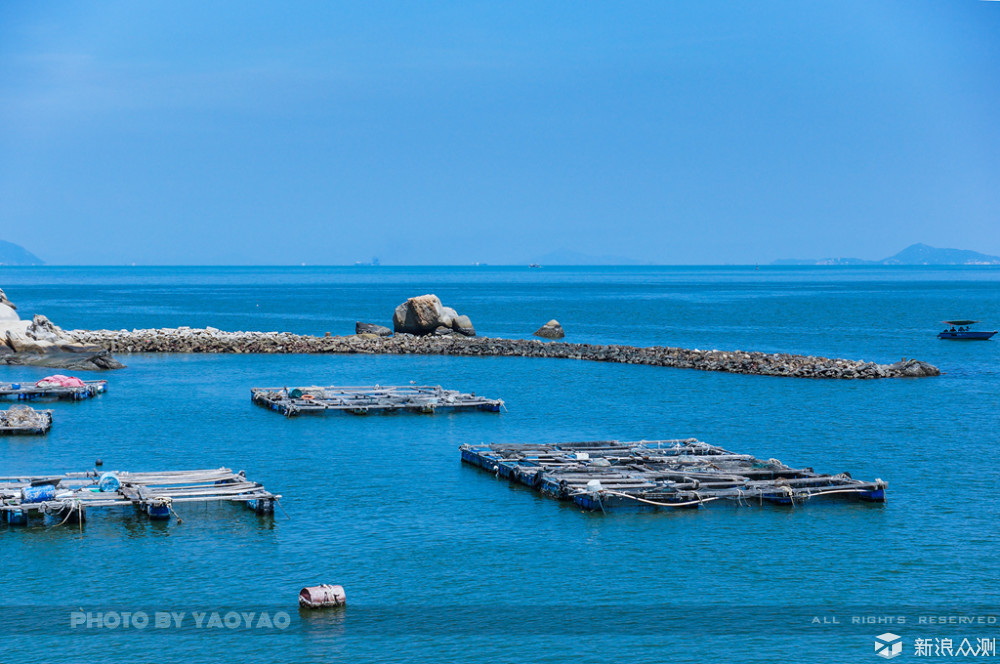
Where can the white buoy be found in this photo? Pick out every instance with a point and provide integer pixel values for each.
(321, 597)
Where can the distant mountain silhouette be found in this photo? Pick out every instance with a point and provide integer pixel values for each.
(15, 254)
(921, 254)
(916, 254)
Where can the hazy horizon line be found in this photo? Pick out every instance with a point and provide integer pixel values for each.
(473, 265)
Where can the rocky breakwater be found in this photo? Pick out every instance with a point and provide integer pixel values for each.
(211, 340)
(39, 342)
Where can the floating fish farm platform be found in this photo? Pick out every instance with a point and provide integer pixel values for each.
(364, 400)
(24, 420)
(19, 392)
(661, 475)
(72, 496)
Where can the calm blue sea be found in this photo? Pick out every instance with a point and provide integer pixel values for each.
(443, 562)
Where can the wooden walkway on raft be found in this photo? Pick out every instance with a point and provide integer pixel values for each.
(19, 392)
(70, 497)
(24, 420)
(363, 400)
(661, 475)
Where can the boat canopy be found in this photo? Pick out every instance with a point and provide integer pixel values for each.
(960, 322)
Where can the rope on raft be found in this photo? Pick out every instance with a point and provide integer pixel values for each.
(167, 502)
(278, 503)
(73, 505)
(739, 497)
(699, 501)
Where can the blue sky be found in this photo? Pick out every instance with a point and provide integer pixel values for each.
(447, 133)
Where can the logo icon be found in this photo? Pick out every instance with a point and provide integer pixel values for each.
(888, 645)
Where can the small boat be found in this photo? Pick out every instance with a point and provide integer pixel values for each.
(534, 265)
(960, 331)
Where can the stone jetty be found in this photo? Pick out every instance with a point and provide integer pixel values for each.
(212, 340)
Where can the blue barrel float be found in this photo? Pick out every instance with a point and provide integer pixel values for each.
(17, 517)
(159, 510)
(109, 483)
(261, 505)
(38, 494)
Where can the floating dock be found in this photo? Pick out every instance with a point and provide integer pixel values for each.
(661, 475)
(30, 392)
(72, 496)
(364, 400)
(24, 420)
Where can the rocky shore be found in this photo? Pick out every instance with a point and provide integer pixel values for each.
(211, 340)
(39, 342)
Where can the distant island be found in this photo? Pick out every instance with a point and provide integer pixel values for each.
(917, 254)
(15, 254)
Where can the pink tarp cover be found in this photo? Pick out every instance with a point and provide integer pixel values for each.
(59, 380)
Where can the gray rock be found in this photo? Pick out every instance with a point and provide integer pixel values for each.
(442, 331)
(104, 360)
(463, 326)
(59, 360)
(371, 328)
(425, 314)
(5, 301)
(418, 315)
(913, 369)
(551, 330)
(21, 341)
(39, 342)
(42, 329)
(447, 317)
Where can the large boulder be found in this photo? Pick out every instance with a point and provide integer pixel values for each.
(551, 330)
(463, 326)
(425, 314)
(418, 315)
(7, 313)
(447, 317)
(21, 341)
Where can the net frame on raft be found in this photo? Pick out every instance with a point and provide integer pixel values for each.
(361, 400)
(90, 388)
(73, 495)
(661, 475)
(40, 424)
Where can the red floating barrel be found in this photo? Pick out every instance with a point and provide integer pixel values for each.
(321, 597)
